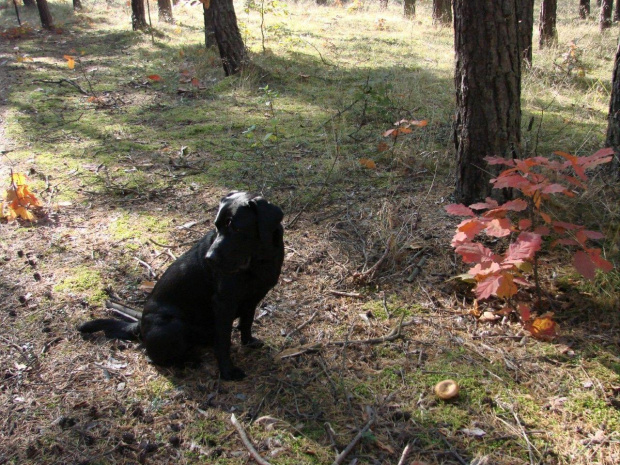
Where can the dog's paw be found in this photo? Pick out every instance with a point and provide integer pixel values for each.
(253, 342)
(234, 374)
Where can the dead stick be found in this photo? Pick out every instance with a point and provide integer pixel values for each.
(356, 439)
(403, 456)
(393, 335)
(301, 326)
(246, 441)
(345, 294)
(123, 310)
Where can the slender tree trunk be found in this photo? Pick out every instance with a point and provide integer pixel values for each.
(138, 15)
(442, 12)
(228, 38)
(613, 119)
(526, 29)
(547, 29)
(617, 11)
(605, 17)
(409, 9)
(77, 5)
(30, 3)
(584, 8)
(44, 13)
(488, 92)
(209, 27)
(165, 11)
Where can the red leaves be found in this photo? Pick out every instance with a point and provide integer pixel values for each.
(499, 274)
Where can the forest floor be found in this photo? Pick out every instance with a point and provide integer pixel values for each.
(130, 151)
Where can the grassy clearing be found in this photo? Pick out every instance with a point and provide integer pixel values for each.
(128, 164)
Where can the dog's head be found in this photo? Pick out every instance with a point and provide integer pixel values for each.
(248, 227)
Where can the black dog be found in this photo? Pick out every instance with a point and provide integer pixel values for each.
(223, 277)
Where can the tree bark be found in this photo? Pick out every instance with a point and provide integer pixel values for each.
(605, 17)
(30, 3)
(584, 8)
(77, 5)
(442, 12)
(165, 11)
(548, 15)
(409, 9)
(228, 38)
(526, 29)
(138, 15)
(44, 13)
(613, 119)
(488, 92)
(210, 41)
(617, 11)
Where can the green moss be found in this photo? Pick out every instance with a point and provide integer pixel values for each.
(83, 281)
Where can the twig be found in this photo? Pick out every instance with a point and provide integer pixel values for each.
(162, 245)
(456, 455)
(127, 312)
(345, 294)
(340, 458)
(403, 456)
(60, 81)
(246, 441)
(370, 272)
(146, 265)
(393, 335)
(304, 324)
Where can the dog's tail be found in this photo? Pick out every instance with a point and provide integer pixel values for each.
(113, 329)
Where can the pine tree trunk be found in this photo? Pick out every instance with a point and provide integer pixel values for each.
(228, 38)
(584, 8)
(547, 29)
(488, 92)
(165, 11)
(617, 11)
(44, 13)
(409, 9)
(526, 29)
(613, 119)
(209, 27)
(442, 12)
(138, 15)
(605, 17)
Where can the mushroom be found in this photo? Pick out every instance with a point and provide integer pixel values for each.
(447, 389)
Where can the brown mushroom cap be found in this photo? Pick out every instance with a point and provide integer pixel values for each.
(447, 389)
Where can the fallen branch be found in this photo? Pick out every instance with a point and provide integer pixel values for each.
(246, 441)
(393, 335)
(147, 266)
(340, 458)
(370, 272)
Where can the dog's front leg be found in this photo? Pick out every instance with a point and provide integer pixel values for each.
(246, 319)
(223, 330)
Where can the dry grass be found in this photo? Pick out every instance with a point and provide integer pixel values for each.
(365, 319)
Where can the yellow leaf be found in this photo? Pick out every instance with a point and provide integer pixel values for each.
(70, 61)
(25, 213)
(543, 328)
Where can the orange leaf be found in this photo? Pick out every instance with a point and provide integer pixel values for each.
(154, 77)
(418, 123)
(525, 312)
(195, 82)
(543, 328)
(382, 147)
(368, 163)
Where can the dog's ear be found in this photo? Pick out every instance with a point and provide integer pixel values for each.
(269, 218)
